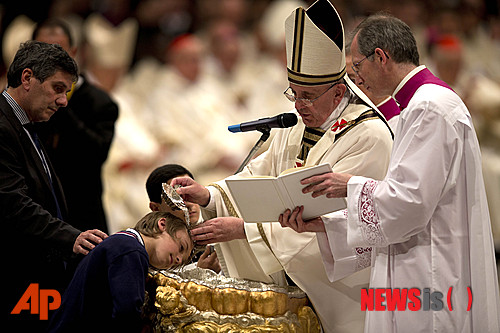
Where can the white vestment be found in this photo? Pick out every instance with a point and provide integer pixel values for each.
(427, 221)
(363, 150)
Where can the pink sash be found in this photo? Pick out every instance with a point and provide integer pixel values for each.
(408, 90)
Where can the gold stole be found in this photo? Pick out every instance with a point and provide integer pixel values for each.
(70, 93)
(310, 137)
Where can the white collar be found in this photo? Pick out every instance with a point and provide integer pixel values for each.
(407, 78)
(332, 118)
(137, 234)
(384, 101)
(79, 82)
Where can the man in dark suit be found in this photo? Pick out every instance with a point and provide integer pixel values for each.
(36, 242)
(78, 137)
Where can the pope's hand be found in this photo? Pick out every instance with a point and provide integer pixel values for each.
(331, 184)
(220, 229)
(294, 220)
(191, 191)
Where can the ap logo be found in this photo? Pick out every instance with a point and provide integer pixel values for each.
(37, 301)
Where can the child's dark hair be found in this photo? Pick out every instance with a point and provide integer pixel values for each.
(162, 175)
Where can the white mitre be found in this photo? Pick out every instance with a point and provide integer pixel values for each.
(18, 31)
(271, 23)
(111, 46)
(315, 45)
(315, 48)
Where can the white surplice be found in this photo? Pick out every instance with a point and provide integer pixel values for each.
(427, 221)
(364, 150)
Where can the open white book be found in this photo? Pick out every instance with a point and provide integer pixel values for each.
(263, 199)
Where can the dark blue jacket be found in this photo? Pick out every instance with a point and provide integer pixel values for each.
(106, 293)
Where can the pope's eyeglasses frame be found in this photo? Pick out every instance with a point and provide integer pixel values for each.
(307, 102)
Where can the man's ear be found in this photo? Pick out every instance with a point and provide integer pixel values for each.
(26, 77)
(154, 206)
(381, 55)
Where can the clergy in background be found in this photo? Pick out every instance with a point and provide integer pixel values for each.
(427, 221)
(337, 125)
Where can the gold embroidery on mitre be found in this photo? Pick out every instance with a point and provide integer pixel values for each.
(314, 80)
(315, 45)
(298, 40)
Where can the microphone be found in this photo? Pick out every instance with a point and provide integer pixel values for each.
(283, 120)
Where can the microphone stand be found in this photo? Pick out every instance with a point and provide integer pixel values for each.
(265, 130)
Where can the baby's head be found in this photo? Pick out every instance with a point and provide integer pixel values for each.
(166, 238)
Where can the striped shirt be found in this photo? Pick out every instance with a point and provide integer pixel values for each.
(22, 116)
(18, 110)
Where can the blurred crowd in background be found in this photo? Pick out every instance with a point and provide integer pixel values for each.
(181, 71)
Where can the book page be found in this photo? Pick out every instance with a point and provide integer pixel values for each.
(257, 199)
(313, 207)
(292, 170)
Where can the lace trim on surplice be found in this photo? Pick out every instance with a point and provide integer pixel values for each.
(363, 257)
(363, 254)
(370, 222)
